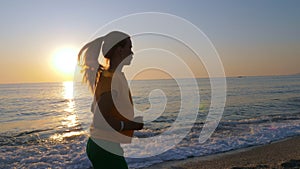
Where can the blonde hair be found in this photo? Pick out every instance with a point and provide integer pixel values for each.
(89, 54)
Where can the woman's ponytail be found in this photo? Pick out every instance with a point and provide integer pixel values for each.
(88, 60)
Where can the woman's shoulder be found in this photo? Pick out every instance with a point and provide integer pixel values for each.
(107, 74)
(109, 81)
(104, 82)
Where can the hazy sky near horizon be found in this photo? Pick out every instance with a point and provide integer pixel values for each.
(252, 37)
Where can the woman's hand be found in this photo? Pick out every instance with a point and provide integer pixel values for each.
(136, 124)
(139, 126)
(139, 121)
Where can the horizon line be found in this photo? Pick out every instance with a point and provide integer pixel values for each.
(235, 76)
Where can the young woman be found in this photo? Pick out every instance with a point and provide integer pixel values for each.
(113, 121)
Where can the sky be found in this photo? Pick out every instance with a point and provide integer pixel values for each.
(252, 37)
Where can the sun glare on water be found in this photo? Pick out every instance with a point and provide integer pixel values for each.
(69, 119)
(64, 60)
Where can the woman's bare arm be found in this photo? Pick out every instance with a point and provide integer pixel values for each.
(105, 103)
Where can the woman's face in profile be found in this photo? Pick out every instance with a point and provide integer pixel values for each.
(126, 53)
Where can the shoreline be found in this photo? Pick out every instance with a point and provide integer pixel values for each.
(278, 154)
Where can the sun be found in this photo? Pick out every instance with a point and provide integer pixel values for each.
(64, 60)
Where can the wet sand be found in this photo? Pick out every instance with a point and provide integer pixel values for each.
(281, 154)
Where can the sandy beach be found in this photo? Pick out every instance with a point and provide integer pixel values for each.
(280, 154)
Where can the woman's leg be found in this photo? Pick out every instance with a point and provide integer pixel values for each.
(102, 159)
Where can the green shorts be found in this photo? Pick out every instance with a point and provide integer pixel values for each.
(102, 159)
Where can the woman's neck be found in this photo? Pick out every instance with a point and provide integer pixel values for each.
(114, 68)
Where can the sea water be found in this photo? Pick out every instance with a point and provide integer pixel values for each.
(45, 125)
